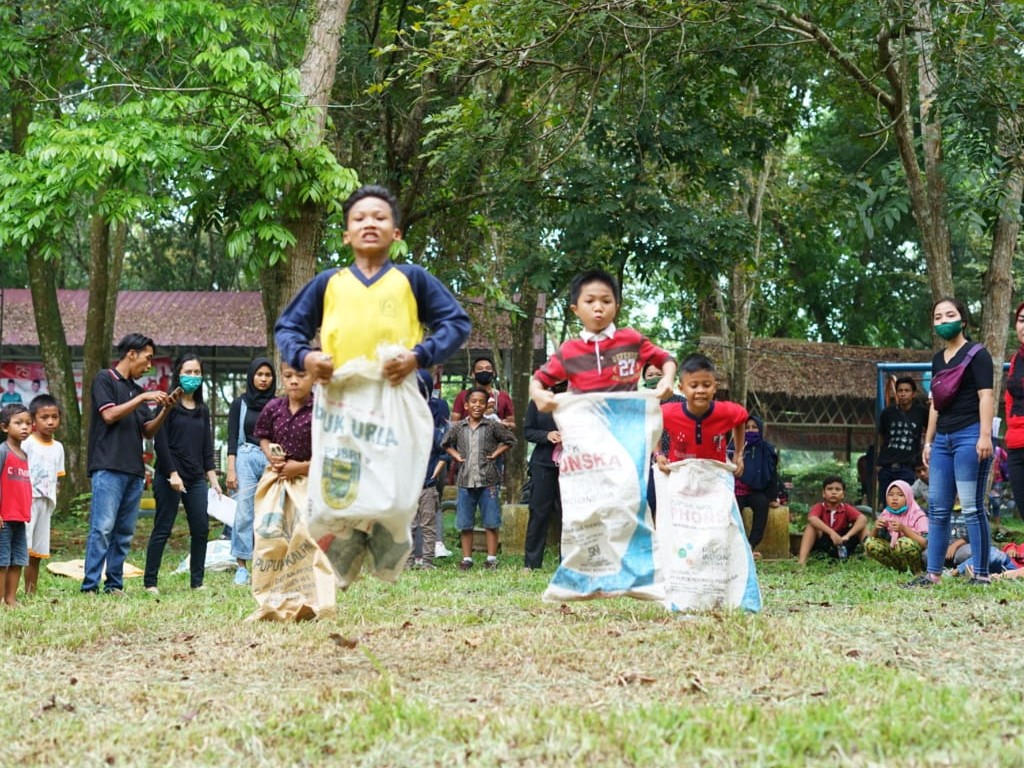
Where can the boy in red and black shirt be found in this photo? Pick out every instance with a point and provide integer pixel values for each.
(832, 523)
(700, 426)
(604, 358)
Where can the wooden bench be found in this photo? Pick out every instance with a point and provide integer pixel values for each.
(775, 544)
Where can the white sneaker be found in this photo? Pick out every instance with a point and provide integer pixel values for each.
(440, 550)
(153, 590)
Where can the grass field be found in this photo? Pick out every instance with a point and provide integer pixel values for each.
(451, 669)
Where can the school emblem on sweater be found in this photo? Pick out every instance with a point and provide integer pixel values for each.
(340, 479)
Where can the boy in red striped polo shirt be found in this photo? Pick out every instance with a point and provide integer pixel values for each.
(604, 358)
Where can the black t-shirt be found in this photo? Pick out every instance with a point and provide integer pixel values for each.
(116, 447)
(901, 431)
(964, 410)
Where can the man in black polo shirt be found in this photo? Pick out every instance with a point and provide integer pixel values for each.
(122, 414)
(900, 426)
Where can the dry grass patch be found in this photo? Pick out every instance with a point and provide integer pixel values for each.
(446, 668)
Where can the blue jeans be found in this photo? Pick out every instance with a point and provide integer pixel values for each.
(195, 501)
(467, 501)
(954, 470)
(249, 465)
(112, 514)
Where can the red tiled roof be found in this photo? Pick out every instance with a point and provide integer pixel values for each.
(194, 319)
(171, 318)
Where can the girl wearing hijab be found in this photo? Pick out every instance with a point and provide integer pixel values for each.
(184, 466)
(901, 531)
(246, 461)
(758, 486)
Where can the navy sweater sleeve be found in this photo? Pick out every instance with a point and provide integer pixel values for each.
(440, 312)
(301, 320)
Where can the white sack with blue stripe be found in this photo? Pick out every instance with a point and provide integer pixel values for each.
(608, 546)
(704, 552)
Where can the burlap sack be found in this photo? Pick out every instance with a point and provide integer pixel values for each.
(292, 579)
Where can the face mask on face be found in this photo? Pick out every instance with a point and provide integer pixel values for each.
(483, 378)
(899, 511)
(949, 331)
(190, 383)
(753, 437)
(651, 383)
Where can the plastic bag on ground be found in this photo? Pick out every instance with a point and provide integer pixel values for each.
(371, 444)
(218, 558)
(608, 546)
(704, 552)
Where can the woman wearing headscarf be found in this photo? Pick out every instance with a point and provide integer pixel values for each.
(900, 536)
(246, 461)
(758, 486)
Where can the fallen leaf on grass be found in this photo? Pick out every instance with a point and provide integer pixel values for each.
(52, 704)
(853, 653)
(633, 678)
(342, 641)
(473, 642)
(565, 610)
(407, 625)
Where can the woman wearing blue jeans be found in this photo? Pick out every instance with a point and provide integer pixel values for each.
(246, 461)
(958, 446)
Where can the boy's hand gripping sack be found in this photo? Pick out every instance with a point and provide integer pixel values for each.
(371, 444)
(291, 578)
(607, 536)
(704, 552)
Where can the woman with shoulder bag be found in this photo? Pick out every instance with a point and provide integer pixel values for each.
(958, 441)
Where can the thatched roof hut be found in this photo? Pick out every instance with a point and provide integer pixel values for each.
(812, 395)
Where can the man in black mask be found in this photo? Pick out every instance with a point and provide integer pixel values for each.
(483, 376)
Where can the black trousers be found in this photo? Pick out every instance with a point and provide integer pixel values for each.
(758, 502)
(545, 508)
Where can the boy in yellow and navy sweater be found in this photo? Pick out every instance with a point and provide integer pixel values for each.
(370, 302)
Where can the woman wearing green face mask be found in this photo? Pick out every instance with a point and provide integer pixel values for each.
(184, 466)
(958, 445)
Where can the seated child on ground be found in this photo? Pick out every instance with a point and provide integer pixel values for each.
(899, 537)
(832, 524)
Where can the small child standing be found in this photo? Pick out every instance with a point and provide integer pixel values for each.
(699, 427)
(424, 525)
(287, 422)
(46, 465)
(475, 443)
(15, 497)
(832, 523)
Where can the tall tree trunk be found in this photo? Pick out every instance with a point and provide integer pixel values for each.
(522, 328)
(998, 282)
(927, 188)
(53, 345)
(745, 276)
(316, 78)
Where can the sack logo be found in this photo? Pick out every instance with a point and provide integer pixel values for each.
(340, 480)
